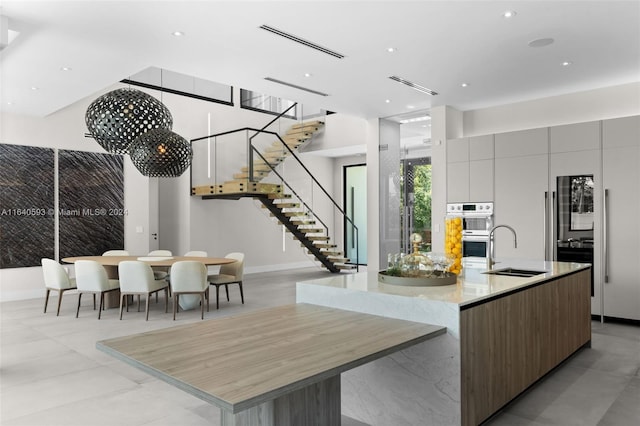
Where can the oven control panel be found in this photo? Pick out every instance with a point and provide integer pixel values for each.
(470, 209)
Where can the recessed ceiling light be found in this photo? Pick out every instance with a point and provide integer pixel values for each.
(34, 88)
(541, 42)
(307, 74)
(177, 33)
(465, 85)
(410, 107)
(391, 49)
(508, 14)
(566, 63)
(387, 101)
(65, 69)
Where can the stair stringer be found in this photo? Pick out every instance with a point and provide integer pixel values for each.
(297, 233)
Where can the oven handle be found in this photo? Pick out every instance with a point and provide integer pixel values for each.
(481, 238)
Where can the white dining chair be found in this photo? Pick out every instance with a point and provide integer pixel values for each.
(91, 277)
(189, 278)
(160, 253)
(116, 253)
(56, 278)
(160, 272)
(136, 278)
(196, 253)
(230, 273)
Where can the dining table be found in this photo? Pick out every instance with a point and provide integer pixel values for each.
(110, 263)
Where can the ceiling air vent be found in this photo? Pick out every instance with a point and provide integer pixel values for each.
(413, 85)
(302, 41)
(295, 86)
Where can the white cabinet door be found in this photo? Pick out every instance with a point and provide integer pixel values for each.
(457, 150)
(481, 180)
(520, 185)
(521, 180)
(481, 155)
(458, 170)
(458, 182)
(575, 137)
(481, 148)
(621, 178)
(522, 143)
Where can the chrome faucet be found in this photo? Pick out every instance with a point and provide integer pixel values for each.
(490, 261)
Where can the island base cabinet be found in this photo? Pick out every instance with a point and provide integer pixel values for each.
(507, 344)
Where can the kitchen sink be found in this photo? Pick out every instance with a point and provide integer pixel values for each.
(513, 272)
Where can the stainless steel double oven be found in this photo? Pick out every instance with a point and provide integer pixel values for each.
(477, 221)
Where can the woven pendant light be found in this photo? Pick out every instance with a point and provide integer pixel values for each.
(161, 153)
(117, 118)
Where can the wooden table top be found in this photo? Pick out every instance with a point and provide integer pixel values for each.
(151, 260)
(240, 361)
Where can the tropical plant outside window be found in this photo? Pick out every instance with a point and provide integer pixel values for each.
(416, 200)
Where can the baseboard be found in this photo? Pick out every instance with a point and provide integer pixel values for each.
(279, 267)
(616, 320)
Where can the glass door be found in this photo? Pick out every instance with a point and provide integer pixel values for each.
(416, 201)
(355, 194)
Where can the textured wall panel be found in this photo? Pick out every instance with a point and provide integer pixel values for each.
(91, 203)
(26, 205)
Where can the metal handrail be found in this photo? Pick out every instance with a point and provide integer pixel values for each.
(252, 149)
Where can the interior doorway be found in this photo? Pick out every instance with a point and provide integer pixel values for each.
(355, 202)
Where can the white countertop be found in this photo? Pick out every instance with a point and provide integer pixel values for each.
(472, 285)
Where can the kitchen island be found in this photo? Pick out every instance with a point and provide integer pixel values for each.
(503, 334)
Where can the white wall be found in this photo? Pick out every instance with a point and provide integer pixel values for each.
(340, 132)
(592, 105)
(446, 123)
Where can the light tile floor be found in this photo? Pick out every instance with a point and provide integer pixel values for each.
(51, 374)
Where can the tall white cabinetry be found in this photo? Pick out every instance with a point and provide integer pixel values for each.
(621, 251)
(519, 172)
(470, 169)
(521, 180)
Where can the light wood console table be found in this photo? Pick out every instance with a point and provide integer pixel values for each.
(279, 366)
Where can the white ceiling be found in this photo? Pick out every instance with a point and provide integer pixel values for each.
(440, 44)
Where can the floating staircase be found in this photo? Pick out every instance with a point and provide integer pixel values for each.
(290, 213)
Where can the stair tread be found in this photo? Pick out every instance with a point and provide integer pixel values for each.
(282, 206)
(311, 230)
